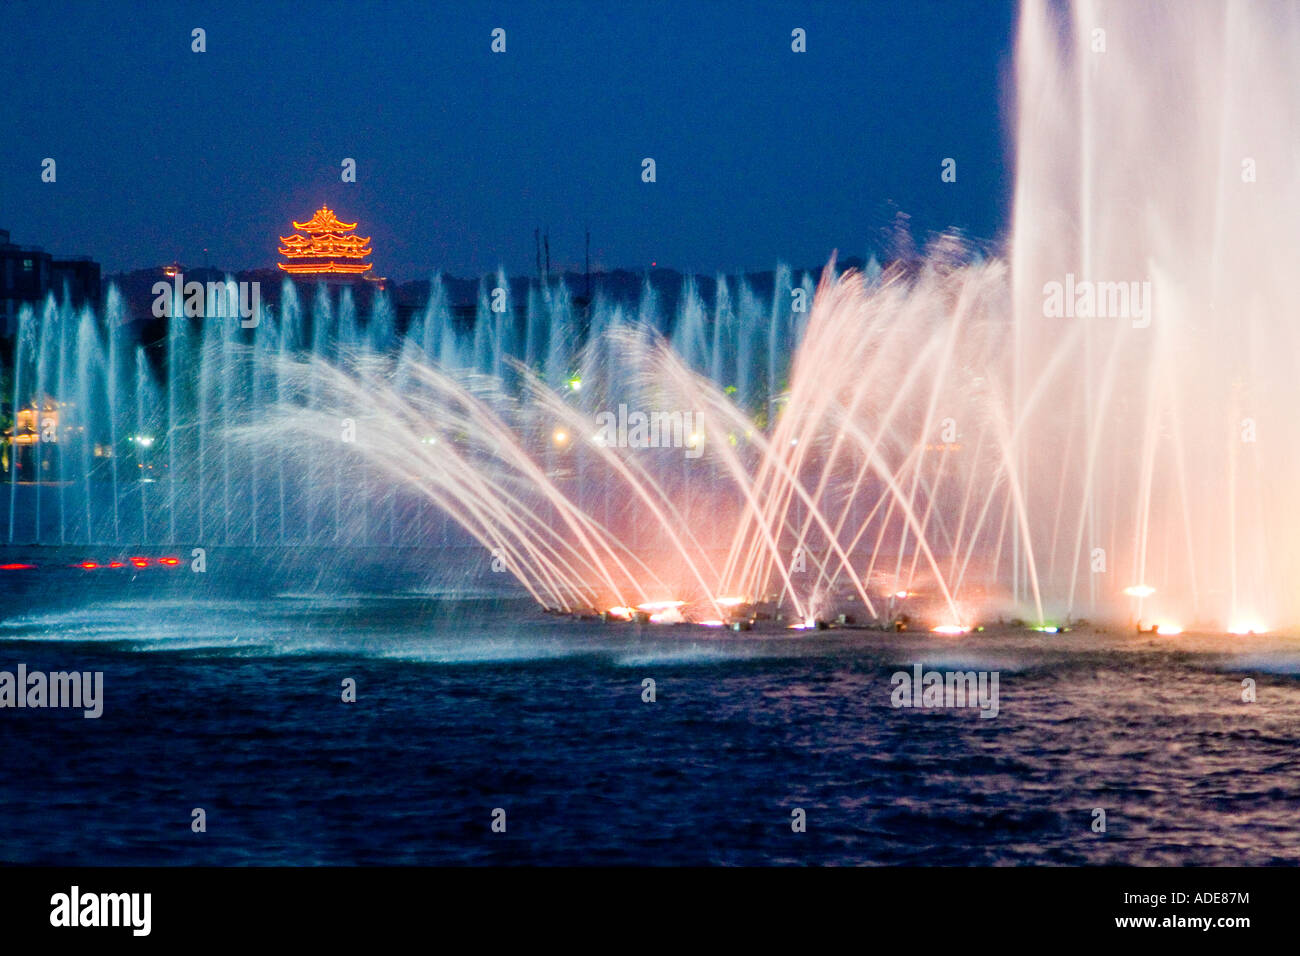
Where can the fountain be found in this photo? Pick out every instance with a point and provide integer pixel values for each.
(1095, 422)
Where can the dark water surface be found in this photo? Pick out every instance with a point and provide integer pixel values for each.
(233, 705)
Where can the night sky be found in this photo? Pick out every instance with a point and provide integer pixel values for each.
(763, 154)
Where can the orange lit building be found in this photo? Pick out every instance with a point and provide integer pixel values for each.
(329, 248)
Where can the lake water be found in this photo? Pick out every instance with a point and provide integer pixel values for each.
(233, 704)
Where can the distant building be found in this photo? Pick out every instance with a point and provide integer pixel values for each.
(28, 274)
(328, 250)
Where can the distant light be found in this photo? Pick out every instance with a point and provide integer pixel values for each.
(950, 629)
(1168, 629)
(729, 601)
(622, 613)
(88, 565)
(140, 562)
(560, 436)
(16, 567)
(116, 564)
(667, 616)
(170, 562)
(1139, 590)
(1047, 629)
(712, 624)
(901, 594)
(1248, 627)
(659, 605)
(575, 383)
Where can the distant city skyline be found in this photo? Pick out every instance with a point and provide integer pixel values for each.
(762, 154)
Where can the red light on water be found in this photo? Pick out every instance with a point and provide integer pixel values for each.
(16, 567)
(88, 565)
(116, 564)
(170, 562)
(140, 562)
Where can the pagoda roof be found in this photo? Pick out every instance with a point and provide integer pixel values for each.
(324, 221)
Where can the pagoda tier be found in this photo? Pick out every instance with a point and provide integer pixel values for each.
(326, 249)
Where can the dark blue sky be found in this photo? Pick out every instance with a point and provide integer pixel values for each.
(762, 154)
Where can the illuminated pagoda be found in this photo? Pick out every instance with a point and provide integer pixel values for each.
(327, 249)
